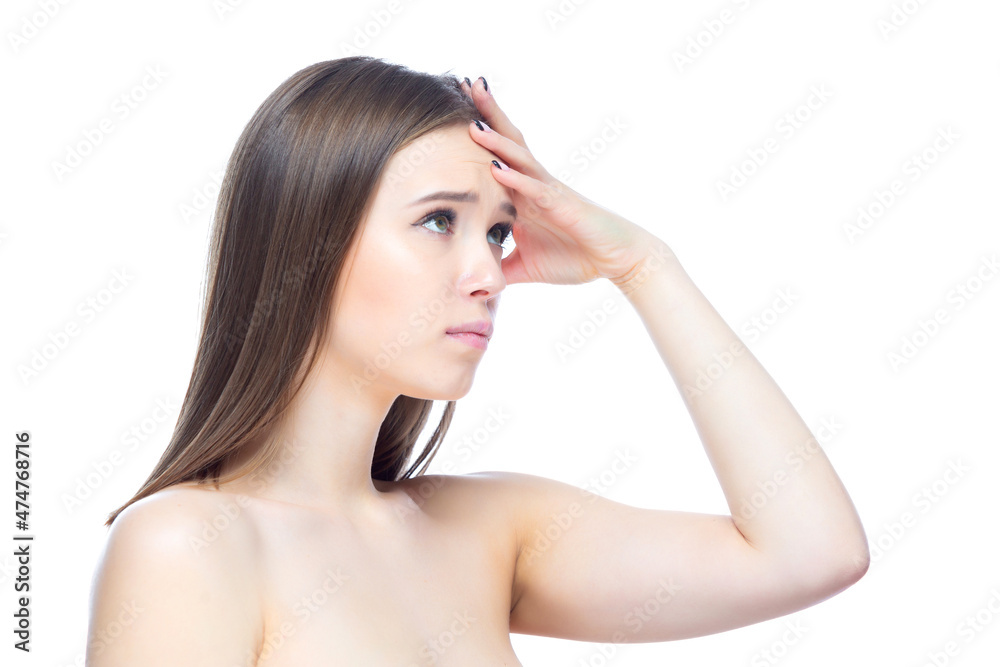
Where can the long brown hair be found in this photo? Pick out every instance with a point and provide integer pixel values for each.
(295, 191)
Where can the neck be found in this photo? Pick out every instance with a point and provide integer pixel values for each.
(326, 443)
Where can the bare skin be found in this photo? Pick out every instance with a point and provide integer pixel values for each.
(430, 584)
(314, 562)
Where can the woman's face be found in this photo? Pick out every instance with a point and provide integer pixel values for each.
(413, 274)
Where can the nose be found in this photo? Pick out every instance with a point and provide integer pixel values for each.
(481, 275)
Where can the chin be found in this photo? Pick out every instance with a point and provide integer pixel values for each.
(442, 391)
(442, 395)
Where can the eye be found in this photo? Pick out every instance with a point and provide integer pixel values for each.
(447, 215)
(504, 229)
(446, 218)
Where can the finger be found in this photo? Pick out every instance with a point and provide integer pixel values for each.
(466, 86)
(546, 203)
(511, 152)
(513, 268)
(494, 115)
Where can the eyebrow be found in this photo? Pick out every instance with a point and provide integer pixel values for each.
(448, 195)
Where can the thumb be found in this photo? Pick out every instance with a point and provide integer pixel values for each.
(513, 268)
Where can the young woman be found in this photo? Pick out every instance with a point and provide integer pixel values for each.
(357, 261)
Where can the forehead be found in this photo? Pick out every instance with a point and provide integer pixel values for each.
(447, 156)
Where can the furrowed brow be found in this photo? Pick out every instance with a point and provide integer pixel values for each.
(449, 195)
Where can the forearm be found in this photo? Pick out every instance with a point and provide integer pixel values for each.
(784, 496)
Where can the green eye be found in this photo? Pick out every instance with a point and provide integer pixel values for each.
(504, 230)
(448, 215)
(439, 215)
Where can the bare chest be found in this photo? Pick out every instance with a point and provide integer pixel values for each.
(427, 592)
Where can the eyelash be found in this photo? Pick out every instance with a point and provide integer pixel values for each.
(450, 215)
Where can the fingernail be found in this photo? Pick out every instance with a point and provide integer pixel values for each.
(468, 83)
(486, 86)
(501, 165)
(483, 126)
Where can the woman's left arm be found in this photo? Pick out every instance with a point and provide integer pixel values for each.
(592, 569)
(589, 568)
(785, 498)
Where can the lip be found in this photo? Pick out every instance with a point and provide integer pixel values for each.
(477, 334)
(473, 339)
(482, 327)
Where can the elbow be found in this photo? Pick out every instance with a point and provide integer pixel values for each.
(821, 572)
(841, 560)
(834, 575)
(855, 559)
(850, 570)
(860, 561)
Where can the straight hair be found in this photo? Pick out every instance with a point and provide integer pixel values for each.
(296, 189)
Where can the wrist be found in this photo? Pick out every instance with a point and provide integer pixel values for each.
(654, 256)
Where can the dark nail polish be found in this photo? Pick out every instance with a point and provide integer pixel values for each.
(468, 83)
(496, 164)
(486, 86)
(478, 124)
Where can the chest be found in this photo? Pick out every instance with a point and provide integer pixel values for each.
(427, 594)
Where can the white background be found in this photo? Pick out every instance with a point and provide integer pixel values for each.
(681, 130)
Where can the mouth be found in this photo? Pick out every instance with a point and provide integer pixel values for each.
(483, 328)
(475, 340)
(476, 334)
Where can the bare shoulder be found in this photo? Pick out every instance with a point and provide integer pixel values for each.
(212, 526)
(176, 564)
(473, 493)
(484, 489)
(496, 500)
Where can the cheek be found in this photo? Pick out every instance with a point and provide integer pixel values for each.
(390, 297)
